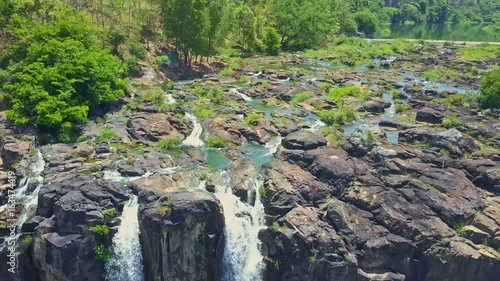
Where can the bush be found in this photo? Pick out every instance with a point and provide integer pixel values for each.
(226, 72)
(300, 98)
(155, 95)
(100, 229)
(272, 41)
(338, 94)
(110, 214)
(134, 68)
(367, 22)
(137, 50)
(107, 135)
(490, 90)
(340, 116)
(168, 143)
(451, 121)
(27, 240)
(203, 112)
(252, 118)
(102, 253)
(432, 75)
(217, 142)
(395, 94)
(162, 61)
(400, 107)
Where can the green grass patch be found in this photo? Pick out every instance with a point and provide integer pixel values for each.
(300, 98)
(226, 72)
(107, 135)
(338, 94)
(480, 52)
(432, 75)
(168, 143)
(155, 95)
(204, 112)
(451, 121)
(401, 107)
(216, 142)
(252, 118)
(341, 116)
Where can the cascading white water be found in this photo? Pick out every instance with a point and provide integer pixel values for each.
(169, 99)
(194, 139)
(27, 198)
(125, 263)
(273, 145)
(316, 126)
(243, 96)
(242, 258)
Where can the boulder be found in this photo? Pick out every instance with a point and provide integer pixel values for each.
(376, 105)
(429, 115)
(155, 126)
(226, 129)
(451, 140)
(243, 173)
(303, 140)
(13, 150)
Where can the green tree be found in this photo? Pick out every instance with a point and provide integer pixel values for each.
(271, 41)
(367, 22)
(244, 26)
(302, 23)
(59, 72)
(490, 90)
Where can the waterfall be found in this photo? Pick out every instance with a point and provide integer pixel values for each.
(243, 96)
(125, 263)
(169, 99)
(316, 126)
(27, 197)
(242, 259)
(194, 139)
(273, 145)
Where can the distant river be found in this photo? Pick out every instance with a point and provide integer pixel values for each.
(447, 31)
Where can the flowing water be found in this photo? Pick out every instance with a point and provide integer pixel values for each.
(194, 139)
(242, 259)
(27, 197)
(169, 99)
(125, 263)
(243, 96)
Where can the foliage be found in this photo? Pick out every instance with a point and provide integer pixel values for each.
(338, 94)
(137, 50)
(110, 214)
(367, 22)
(432, 75)
(102, 253)
(100, 229)
(162, 61)
(27, 241)
(154, 95)
(300, 98)
(451, 121)
(204, 112)
(490, 90)
(342, 115)
(400, 107)
(168, 143)
(226, 72)
(217, 142)
(107, 135)
(60, 72)
(252, 118)
(272, 41)
(459, 228)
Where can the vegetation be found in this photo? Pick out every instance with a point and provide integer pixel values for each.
(100, 229)
(252, 118)
(400, 107)
(459, 229)
(168, 143)
(342, 115)
(300, 98)
(102, 253)
(27, 241)
(155, 96)
(490, 90)
(337, 94)
(216, 142)
(451, 121)
(110, 214)
(107, 135)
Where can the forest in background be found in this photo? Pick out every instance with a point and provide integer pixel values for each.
(61, 58)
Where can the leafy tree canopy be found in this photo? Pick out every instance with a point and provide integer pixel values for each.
(60, 71)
